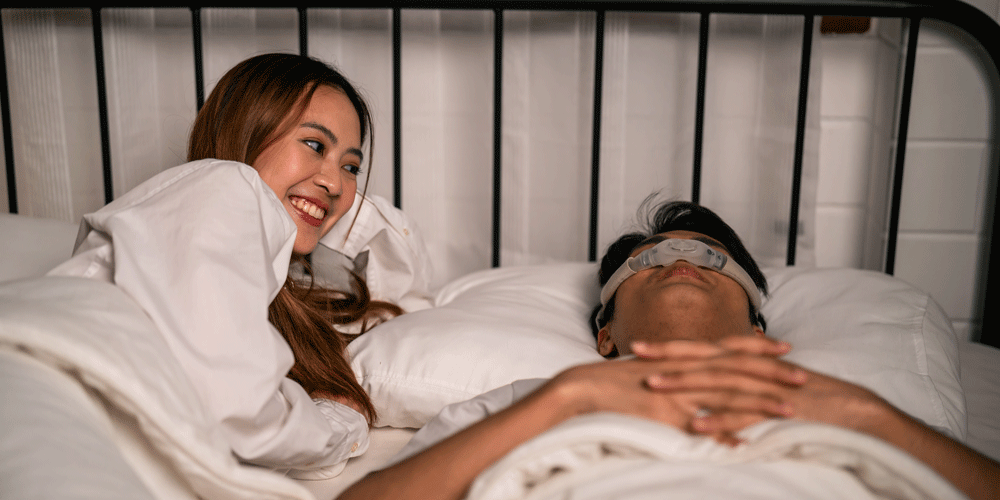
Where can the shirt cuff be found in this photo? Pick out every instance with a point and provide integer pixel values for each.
(345, 419)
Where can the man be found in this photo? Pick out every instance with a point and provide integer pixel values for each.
(683, 221)
(701, 364)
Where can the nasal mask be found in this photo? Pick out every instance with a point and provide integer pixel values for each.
(669, 251)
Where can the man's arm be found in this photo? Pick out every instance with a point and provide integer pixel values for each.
(826, 399)
(447, 469)
(829, 400)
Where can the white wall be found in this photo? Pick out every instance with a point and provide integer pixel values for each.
(945, 161)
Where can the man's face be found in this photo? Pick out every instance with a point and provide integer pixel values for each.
(679, 301)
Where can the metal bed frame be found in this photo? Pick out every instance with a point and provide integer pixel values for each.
(978, 25)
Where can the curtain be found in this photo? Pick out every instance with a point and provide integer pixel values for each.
(52, 88)
(647, 133)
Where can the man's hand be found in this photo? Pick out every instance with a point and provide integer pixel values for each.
(746, 344)
(813, 396)
(738, 381)
(829, 400)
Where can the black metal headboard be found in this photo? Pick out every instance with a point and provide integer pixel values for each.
(978, 25)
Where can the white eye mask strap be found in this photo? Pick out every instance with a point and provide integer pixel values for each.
(669, 251)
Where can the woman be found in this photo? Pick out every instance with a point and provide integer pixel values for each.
(205, 248)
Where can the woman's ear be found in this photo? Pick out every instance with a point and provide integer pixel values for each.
(605, 346)
(759, 331)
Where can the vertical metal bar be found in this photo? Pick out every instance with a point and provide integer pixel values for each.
(304, 51)
(102, 103)
(199, 62)
(595, 157)
(800, 138)
(8, 136)
(497, 130)
(699, 117)
(989, 333)
(303, 31)
(397, 112)
(904, 121)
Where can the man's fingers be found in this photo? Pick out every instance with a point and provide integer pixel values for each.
(724, 423)
(720, 402)
(676, 349)
(728, 371)
(755, 344)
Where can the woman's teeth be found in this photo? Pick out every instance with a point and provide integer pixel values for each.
(309, 208)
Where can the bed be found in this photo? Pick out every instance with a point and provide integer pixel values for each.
(512, 301)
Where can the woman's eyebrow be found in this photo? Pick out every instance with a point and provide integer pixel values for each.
(333, 139)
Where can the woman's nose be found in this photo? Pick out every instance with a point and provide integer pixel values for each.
(330, 181)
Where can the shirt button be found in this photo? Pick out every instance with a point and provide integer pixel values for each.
(354, 447)
(406, 231)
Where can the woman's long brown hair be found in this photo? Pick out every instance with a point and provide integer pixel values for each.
(305, 315)
(252, 106)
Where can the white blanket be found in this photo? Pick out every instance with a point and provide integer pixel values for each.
(94, 332)
(613, 456)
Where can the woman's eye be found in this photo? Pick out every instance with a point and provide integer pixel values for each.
(352, 169)
(314, 145)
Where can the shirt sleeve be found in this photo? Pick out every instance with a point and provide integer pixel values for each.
(398, 267)
(339, 416)
(204, 251)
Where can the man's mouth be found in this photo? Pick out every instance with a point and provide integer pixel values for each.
(681, 270)
(309, 208)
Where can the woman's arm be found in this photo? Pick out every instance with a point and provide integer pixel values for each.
(203, 248)
(616, 386)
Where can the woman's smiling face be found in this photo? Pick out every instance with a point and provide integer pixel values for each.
(313, 167)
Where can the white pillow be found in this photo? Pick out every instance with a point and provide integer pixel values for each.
(874, 330)
(491, 327)
(496, 326)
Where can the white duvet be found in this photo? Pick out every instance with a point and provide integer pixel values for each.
(605, 456)
(94, 332)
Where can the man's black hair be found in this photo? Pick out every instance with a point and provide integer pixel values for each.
(674, 216)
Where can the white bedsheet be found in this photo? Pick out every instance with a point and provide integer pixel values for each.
(981, 384)
(385, 443)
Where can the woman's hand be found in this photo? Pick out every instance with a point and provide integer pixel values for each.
(740, 381)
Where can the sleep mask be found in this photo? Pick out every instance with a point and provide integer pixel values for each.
(669, 251)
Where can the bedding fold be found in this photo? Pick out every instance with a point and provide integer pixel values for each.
(94, 332)
(615, 456)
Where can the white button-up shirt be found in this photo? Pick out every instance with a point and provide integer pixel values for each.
(204, 248)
